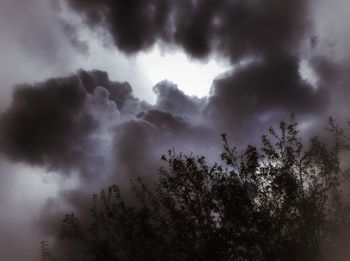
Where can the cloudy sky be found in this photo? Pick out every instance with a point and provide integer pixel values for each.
(93, 92)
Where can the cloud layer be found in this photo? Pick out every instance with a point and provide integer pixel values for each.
(88, 127)
(234, 28)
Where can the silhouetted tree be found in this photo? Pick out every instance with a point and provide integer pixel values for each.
(282, 202)
(45, 252)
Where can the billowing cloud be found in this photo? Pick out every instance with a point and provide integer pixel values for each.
(99, 132)
(264, 40)
(119, 92)
(60, 123)
(67, 123)
(173, 100)
(43, 123)
(234, 28)
(251, 92)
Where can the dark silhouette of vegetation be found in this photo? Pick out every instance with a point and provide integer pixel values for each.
(280, 202)
(45, 252)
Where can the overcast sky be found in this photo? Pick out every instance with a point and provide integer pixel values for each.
(88, 88)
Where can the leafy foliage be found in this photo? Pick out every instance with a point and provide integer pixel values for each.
(282, 201)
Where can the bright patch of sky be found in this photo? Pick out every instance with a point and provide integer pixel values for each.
(146, 69)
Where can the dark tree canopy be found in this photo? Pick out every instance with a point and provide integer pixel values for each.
(278, 202)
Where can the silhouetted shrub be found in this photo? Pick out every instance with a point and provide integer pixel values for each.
(282, 201)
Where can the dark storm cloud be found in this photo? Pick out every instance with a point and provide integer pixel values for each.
(173, 100)
(268, 34)
(42, 124)
(140, 143)
(253, 91)
(99, 128)
(93, 125)
(81, 122)
(70, 122)
(134, 149)
(119, 92)
(134, 24)
(328, 71)
(53, 123)
(163, 120)
(233, 28)
(334, 76)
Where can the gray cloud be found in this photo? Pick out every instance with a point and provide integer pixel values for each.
(88, 125)
(67, 123)
(251, 92)
(234, 28)
(264, 40)
(173, 100)
(43, 125)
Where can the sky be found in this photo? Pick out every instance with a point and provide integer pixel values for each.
(88, 88)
